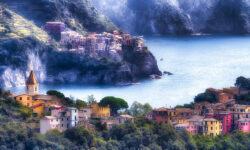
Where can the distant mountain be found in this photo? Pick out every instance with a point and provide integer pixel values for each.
(178, 17)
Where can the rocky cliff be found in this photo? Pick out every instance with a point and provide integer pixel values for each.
(24, 46)
(178, 17)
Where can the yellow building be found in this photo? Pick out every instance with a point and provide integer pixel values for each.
(24, 99)
(38, 108)
(100, 112)
(33, 99)
(211, 127)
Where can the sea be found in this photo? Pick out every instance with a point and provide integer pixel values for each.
(197, 63)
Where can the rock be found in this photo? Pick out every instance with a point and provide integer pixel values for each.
(167, 73)
(155, 76)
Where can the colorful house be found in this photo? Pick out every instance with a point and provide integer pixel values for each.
(211, 127)
(37, 102)
(195, 125)
(225, 119)
(123, 119)
(61, 118)
(244, 125)
(24, 99)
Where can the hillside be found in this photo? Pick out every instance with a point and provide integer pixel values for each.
(178, 17)
(24, 46)
(78, 15)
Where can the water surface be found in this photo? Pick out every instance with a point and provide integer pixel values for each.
(196, 62)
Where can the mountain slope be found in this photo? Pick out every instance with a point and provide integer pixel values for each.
(178, 17)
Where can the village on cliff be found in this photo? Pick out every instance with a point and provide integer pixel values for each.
(206, 118)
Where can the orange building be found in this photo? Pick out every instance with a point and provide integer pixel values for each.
(24, 99)
(100, 112)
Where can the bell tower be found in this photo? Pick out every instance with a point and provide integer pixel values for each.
(32, 87)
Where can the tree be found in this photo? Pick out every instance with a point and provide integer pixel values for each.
(243, 82)
(207, 96)
(56, 93)
(80, 103)
(138, 109)
(91, 100)
(114, 103)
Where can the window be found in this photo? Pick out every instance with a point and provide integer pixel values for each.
(75, 111)
(62, 119)
(20, 98)
(57, 119)
(211, 122)
(211, 134)
(62, 125)
(75, 117)
(205, 122)
(35, 88)
(67, 125)
(246, 115)
(211, 128)
(238, 116)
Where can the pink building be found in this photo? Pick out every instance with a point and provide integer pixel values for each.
(195, 125)
(49, 123)
(55, 27)
(225, 119)
(244, 125)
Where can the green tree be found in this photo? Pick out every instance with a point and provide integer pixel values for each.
(114, 103)
(242, 82)
(56, 93)
(137, 109)
(91, 100)
(207, 96)
(80, 103)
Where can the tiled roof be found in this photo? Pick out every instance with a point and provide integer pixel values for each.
(161, 109)
(196, 118)
(126, 116)
(32, 79)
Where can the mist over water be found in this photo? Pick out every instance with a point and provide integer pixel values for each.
(196, 62)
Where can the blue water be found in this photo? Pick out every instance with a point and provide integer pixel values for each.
(196, 62)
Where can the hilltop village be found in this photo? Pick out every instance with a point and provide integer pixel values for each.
(98, 45)
(206, 118)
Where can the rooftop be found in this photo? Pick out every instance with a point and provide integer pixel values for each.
(32, 79)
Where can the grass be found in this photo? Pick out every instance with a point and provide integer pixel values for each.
(21, 28)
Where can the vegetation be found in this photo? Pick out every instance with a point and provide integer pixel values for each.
(243, 82)
(138, 109)
(16, 133)
(207, 96)
(114, 103)
(190, 105)
(67, 101)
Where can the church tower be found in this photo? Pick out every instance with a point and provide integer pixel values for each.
(32, 85)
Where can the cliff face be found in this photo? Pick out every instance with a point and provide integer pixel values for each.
(78, 15)
(25, 47)
(178, 17)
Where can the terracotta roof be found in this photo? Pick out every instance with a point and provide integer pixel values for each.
(196, 118)
(161, 109)
(126, 116)
(43, 97)
(32, 79)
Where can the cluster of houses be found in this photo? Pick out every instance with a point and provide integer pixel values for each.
(104, 44)
(54, 115)
(208, 118)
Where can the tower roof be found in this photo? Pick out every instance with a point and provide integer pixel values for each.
(32, 79)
